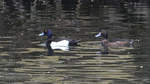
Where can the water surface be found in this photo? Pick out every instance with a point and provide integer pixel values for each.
(23, 61)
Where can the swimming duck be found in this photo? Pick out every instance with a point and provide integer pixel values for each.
(115, 43)
(62, 44)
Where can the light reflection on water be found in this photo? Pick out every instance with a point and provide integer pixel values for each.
(22, 60)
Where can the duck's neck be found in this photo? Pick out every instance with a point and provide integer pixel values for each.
(50, 50)
(49, 37)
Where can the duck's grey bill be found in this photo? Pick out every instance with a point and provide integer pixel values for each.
(41, 34)
(98, 35)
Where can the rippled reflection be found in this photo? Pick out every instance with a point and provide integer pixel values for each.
(23, 61)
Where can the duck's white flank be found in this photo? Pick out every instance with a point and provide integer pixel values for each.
(62, 45)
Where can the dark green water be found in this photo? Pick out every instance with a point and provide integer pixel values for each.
(23, 61)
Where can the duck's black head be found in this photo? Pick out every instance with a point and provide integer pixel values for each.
(47, 33)
(103, 34)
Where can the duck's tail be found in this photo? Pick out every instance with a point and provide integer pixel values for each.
(135, 42)
(74, 43)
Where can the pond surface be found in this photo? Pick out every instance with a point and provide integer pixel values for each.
(23, 61)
